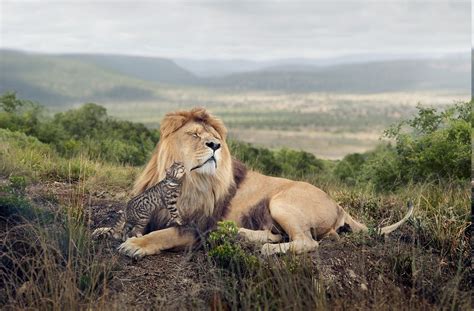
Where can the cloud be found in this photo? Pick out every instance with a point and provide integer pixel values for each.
(237, 29)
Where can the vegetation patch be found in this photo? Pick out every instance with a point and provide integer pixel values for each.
(48, 260)
(432, 146)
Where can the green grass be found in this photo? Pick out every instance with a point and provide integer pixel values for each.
(24, 155)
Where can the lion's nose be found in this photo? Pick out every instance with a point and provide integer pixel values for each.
(214, 146)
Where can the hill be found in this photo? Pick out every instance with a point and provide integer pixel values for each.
(371, 77)
(153, 69)
(77, 78)
(69, 79)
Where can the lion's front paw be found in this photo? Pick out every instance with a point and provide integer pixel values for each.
(133, 248)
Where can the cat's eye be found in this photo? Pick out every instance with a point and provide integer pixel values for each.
(195, 135)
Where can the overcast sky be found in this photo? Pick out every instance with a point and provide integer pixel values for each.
(237, 29)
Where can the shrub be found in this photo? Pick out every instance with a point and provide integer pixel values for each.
(382, 169)
(261, 159)
(298, 163)
(89, 130)
(431, 146)
(225, 250)
(349, 168)
(286, 162)
(86, 130)
(438, 145)
(19, 115)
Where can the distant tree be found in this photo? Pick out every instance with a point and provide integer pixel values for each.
(18, 114)
(433, 145)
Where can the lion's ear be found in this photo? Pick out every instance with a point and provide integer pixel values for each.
(218, 125)
(171, 123)
(201, 115)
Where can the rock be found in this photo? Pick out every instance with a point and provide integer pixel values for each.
(363, 286)
(352, 273)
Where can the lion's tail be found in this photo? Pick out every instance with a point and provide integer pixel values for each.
(388, 229)
(354, 224)
(357, 226)
(149, 175)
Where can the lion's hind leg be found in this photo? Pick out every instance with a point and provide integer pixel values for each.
(259, 236)
(292, 222)
(332, 235)
(297, 246)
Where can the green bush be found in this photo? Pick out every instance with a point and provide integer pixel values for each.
(349, 168)
(89, 130)
(382, 169)
(438, 145)
(261, 159)
(298, 163)
(431, 146)
(283, 162)
(226, 251)
(86, 130)
(19, 115)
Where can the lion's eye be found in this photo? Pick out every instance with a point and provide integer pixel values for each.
(195, 135)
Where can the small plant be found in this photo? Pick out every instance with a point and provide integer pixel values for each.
(402, 266)
(226, 251)
(13, 203)
(249, 282)
(18, 183)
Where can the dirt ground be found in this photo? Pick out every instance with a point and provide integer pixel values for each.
(356, 273)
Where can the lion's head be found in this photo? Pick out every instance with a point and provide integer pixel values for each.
(197, 139)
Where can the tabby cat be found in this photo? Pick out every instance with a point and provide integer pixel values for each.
(136, 215)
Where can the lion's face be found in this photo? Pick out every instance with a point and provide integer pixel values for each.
(197, 139)
(199, 146)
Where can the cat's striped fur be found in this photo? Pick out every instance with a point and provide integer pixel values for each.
(136, 215)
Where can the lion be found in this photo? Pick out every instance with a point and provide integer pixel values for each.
(217, 187)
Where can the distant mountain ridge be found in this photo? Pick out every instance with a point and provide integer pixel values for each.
(75, 78)
(208, 68)
(155, 69)
(54, 79)
(371, 77)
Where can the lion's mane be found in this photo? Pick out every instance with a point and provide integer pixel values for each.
(204, 198)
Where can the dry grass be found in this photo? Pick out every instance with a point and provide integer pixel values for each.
(48, 261)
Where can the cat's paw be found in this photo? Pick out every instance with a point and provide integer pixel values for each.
(101, 232)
